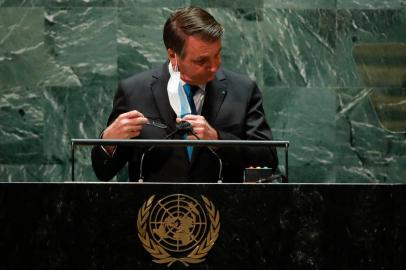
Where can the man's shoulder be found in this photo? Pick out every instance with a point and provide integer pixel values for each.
(237, 78)
(141, 78)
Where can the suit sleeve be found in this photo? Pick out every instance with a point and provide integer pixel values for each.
(104, 166)
(255, 128)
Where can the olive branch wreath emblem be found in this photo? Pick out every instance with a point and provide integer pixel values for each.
(160, 254)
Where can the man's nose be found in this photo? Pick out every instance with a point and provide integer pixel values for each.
(214, 65)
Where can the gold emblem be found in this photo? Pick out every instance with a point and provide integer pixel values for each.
(176, 228)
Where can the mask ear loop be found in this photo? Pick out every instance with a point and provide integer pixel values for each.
(176, 64)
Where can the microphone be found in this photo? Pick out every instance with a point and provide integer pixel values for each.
(184, 126)
(220, 176)
(181, 127)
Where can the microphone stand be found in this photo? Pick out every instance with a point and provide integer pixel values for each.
(182, 126)
(220, 176)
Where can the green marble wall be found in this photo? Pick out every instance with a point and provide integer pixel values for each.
(332, 72)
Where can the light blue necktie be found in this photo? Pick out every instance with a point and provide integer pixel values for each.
(190, 91)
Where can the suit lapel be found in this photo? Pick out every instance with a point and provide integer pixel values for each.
(160, 93)
(216, 90)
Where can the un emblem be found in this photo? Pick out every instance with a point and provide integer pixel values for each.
(178, 228)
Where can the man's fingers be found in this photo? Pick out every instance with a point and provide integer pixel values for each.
(133, 128)
(132, 114)
(127, 125)
(192, 117)
(201, 127)
(131, 118)
(139, 121)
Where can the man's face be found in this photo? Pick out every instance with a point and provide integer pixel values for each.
(201, 60)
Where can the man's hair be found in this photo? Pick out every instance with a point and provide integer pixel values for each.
(190, 21)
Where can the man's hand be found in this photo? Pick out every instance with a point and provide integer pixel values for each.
(127, 125)
(200, 126)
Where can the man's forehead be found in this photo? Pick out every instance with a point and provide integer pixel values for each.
(199, 47)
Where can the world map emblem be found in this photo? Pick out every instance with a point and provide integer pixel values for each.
(178, 228)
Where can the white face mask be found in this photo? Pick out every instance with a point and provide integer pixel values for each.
(177, 96)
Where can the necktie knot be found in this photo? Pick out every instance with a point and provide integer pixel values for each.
(190, 90)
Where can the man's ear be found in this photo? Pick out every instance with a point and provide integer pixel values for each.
(171, 57)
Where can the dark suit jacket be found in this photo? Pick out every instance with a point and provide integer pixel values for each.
(232, 105)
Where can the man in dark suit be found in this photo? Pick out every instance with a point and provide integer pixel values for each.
(224, 106)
